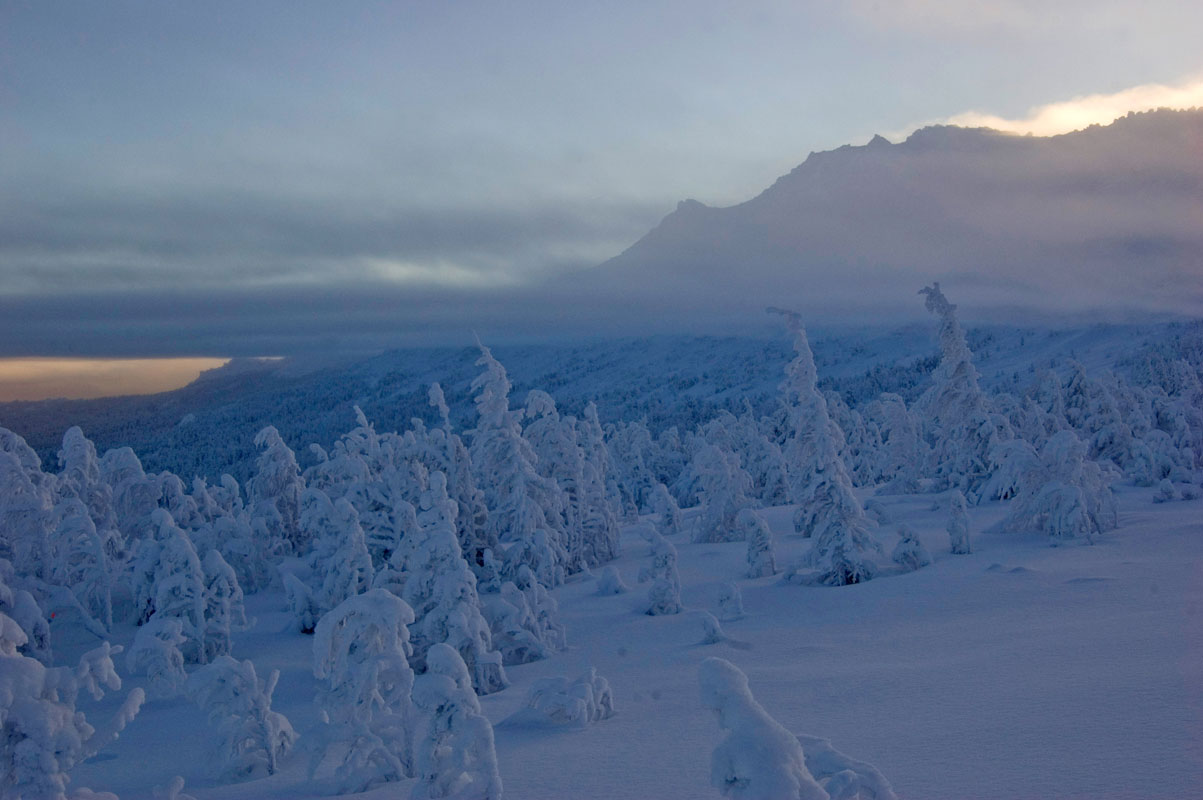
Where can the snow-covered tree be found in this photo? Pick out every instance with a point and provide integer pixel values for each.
(1060, 491)
(361, 656)
(80, 562)
(224, 609)
(761, 560)
(759, 759)
(23, 609)
(441, 590)
(25, 508)
(963, 427)
(454, 751)
(669, 521)
(725, 488)
(909, 553)
(958, 524)
(664, 596)
(179, 585)
(251, 738)
(80, 478)
(828, 511)
(903, 452)
(156, 654)
(42, 734)
(275, 491)
(524, 506)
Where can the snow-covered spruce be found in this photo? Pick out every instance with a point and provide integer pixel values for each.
(562, 703)
(962, 425)
(42, 734)
(761, 559)
(441, 590)
(224, 609)
(724, 488)
(1060, 491)
(361, 656)
(525, 508)
(156, 654)
(958, 524)
(664, 595)
(909, 553)
(828, 511)
(275, 492)
(251, 738)
(668, 513)
(454, 753)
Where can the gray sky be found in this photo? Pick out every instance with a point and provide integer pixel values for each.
(250, 178)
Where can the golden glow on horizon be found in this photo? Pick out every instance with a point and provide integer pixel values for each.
(1080, 112)
(79, 378)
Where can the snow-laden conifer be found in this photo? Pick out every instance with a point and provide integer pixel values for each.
(828, 511)
(275, 491)
(224, 610)
(454, 751)
(251, 738)
(664, 595)
(725, 489)
(909, 553)
(958, 524)
(361, 656)
(760, 558)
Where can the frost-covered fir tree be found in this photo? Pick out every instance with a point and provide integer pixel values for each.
(80, 563)
(761, 560)
(80, 478)
(361, 656)
(454, 751)
(224, 609)
(25, 508)
(524, 507)
(472, 520)
(724, 488)
(909, 553)
(828, 511)
(963, 427)
(134, 493)
(759, 759)
(251, 738)
(275, 491)
(42, 734)
(179, 585)
(903, 453)
(156, 654)
(664, 596)
(1060, 491)
(958, 524)
(669, 521)
(441, 590)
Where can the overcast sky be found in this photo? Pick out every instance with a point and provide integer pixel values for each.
(248, 178)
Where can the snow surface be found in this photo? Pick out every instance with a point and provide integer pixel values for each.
(1018, 671)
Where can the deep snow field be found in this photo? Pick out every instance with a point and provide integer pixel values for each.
(1019, 671)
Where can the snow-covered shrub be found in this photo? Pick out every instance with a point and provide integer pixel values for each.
(1165, 491)
(361, 656)
(42, 734)
(454, 752)
(609, 581)
(302, 605)
(958, 524)
(760, 557)
(842, 777)
(730, 601)
(909, 553)
(559, 702)
(251, 738)
(664, 596)
(759, 759)
(156, 654)
(712, 630)
(516, 633)
(174, 790)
